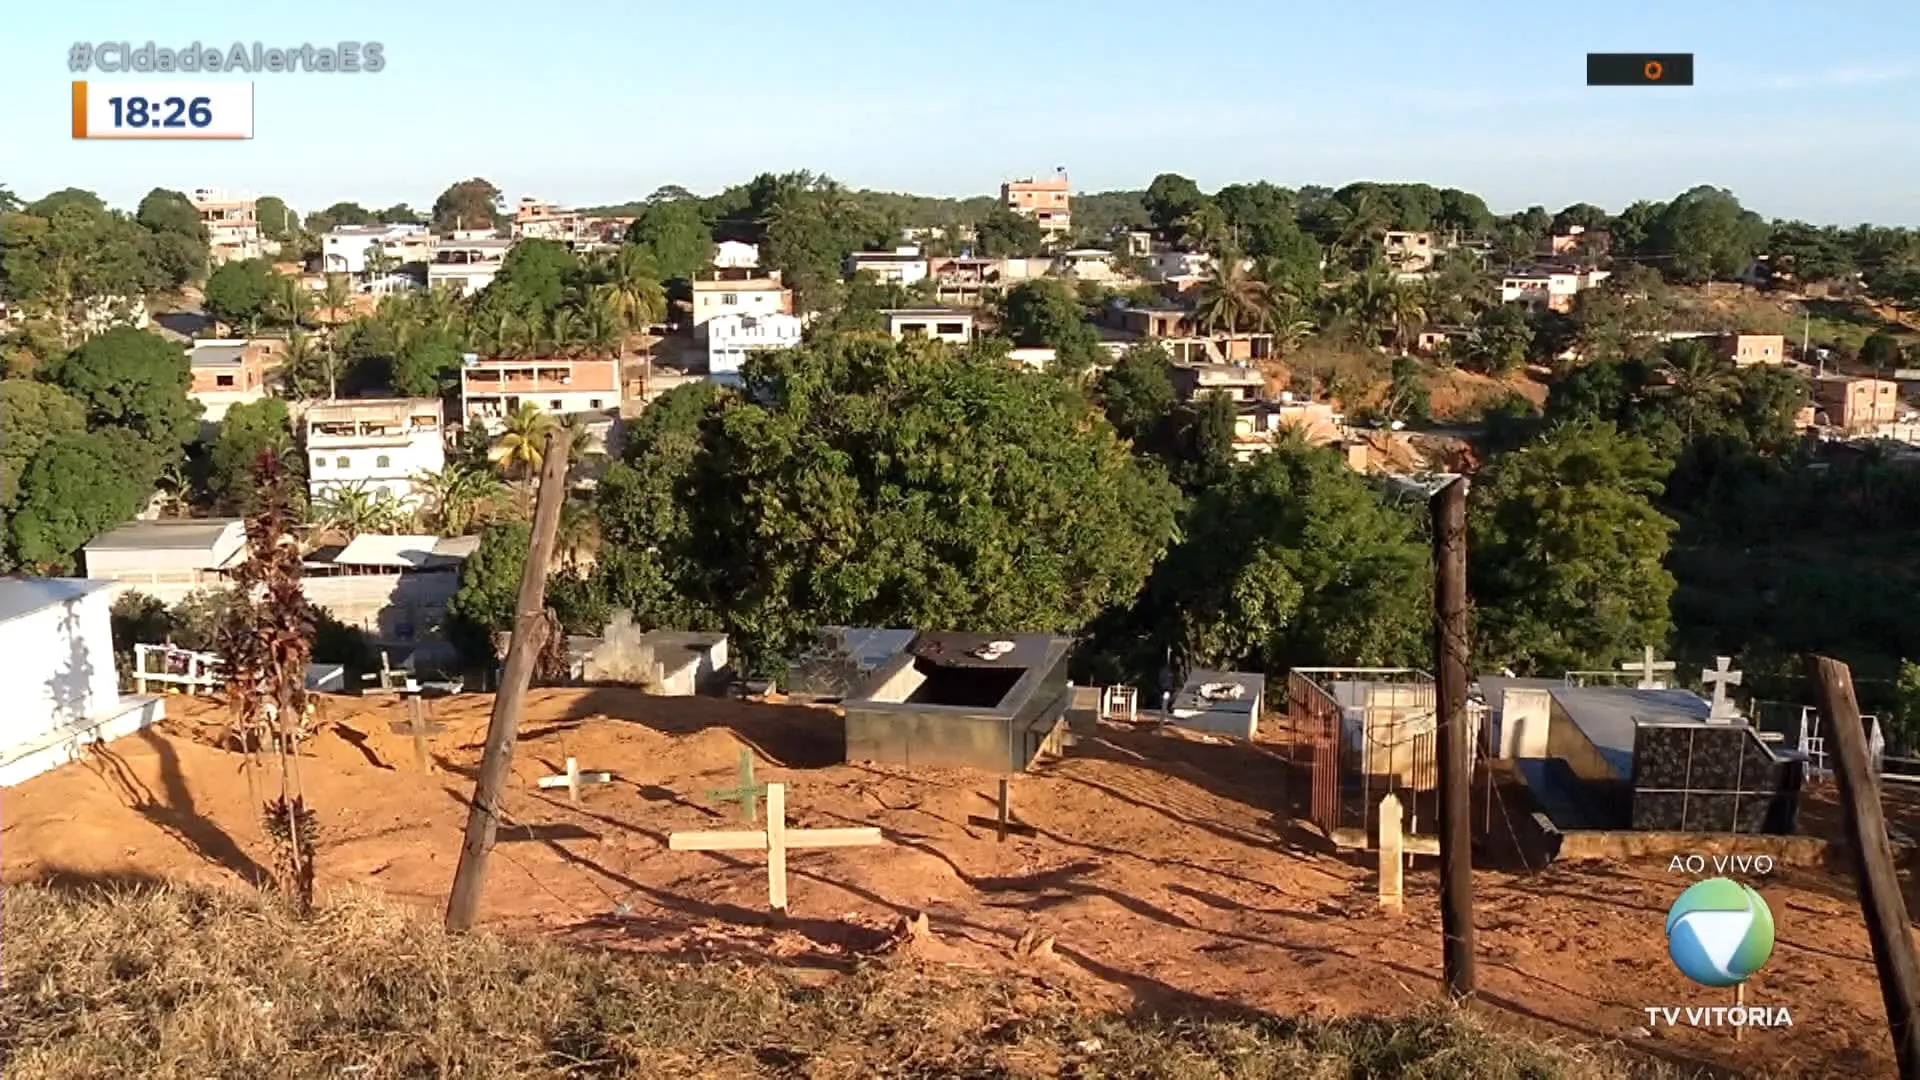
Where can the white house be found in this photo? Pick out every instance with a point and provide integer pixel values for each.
(344, 250)
(59, 683)
(1553, 286)
(952, 325)
(378, 443)
(1174, 265)
(735, 255)
(727, 293)
(901, 266)
(467, 265)
(731, 337)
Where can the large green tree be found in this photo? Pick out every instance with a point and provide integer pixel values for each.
(1705, 234)
(179, 240)
(1294, 560)
(469, 204)
(1566, 553)
(489, 589)
(245, 430)
(865, 481)
(675, 235)
(32, 414)
(75, 488)
(242, 292)
(136, 380)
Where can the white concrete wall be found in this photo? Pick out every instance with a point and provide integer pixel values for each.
(59, 667)
(1525, 714)
(709, 304)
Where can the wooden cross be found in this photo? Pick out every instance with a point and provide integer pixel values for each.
(1721, 676)
(748, 792)
(1002, 823)
(775, 840)
(574, 779)
(1647, 669)
(417, 726)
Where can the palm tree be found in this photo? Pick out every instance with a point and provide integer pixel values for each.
(578, 538)
(290, 302)
(354, 509)
(633, 296)
(1231, 298)
(309, 367)
(522, 443)
(335, 295)
(456, 497)
(1699, 384)
(1366, 305)
(1407, 308)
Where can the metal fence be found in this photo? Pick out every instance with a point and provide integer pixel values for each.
(1352, 735)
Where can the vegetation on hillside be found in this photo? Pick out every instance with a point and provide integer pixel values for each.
(175, 982)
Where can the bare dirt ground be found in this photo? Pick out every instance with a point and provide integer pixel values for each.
(1160, 869)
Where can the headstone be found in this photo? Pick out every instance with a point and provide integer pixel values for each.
(748, 792)
(1648, 669)
(416, 725)
(1392, 852)
(573, 780)
(1003, 822)
(1721, 676)
(775, 840)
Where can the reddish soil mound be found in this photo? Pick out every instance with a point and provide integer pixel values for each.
(1160, 868)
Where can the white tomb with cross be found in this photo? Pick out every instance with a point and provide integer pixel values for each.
(1649, 670)
(775, 840)
(1721, 676)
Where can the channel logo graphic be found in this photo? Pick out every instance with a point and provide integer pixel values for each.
(1719, 932)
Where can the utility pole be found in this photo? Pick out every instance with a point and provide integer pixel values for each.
(1879, 882)
(529, 624)
(1450, 647)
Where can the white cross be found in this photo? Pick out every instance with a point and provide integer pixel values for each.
(775, 839)
(1721, 676)
(1646, 669)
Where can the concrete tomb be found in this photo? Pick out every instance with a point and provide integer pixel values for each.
(954, 700)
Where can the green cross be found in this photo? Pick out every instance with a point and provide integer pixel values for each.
(749, 793)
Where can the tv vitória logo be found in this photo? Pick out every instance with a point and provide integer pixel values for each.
(1719, 932)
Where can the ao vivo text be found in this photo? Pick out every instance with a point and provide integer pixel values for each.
(1721, 864)
(1720, 1016)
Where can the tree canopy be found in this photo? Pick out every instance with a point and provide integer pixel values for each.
(469, 204)
(136, 380)
(859, 480)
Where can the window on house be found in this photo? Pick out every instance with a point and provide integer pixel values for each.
(383, 462)
(729, 299)
(593, 403)
(950, 328)
(913, 328)
(553, 405)
(340, 462)
(223, 380)
(319, 462)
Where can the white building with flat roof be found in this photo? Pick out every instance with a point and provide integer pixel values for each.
(379, 444)
(735, 255)
(731, 337)
(168, 558)
(233, 230)
(951, 325)
(901, 266)
(59, 683)
(467, 265)
(344, 250)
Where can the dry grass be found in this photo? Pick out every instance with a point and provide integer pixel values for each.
(178, 983)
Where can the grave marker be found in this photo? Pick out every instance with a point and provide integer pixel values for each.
(749, 793)
(416, 725)
(574, 779)
(1002, 822)
(1648, 669)
(775, 840)
(1393, 863)
(1721, 676)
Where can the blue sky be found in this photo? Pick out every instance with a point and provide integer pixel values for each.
(1803, 110)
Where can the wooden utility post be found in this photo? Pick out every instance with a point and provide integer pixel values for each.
(1450, 648)
(529, 621)
(1866, 825)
